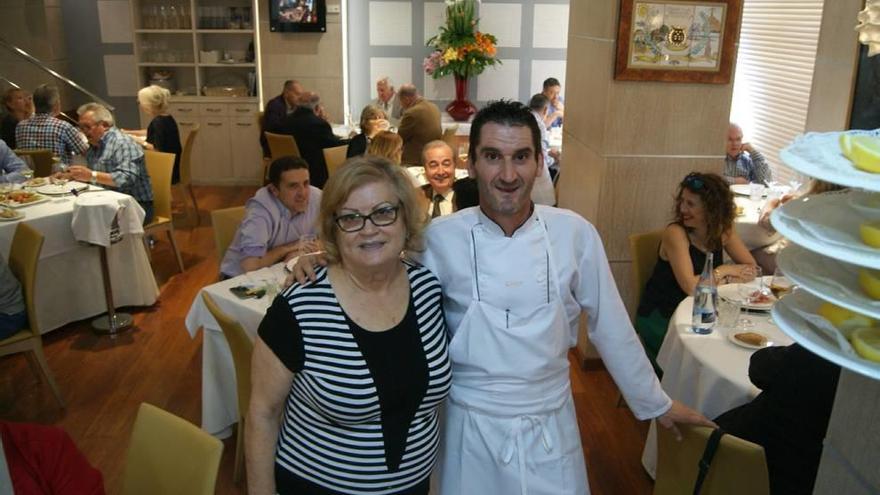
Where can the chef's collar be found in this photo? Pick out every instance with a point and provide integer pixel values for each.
(492, 227)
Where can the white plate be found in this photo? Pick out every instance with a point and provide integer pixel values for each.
(805, 334)
(745, 190)
(18, 216)
(731, 292)
(818, 155)
(828, 225)
(731, 337)
(827, 278)
(58, 190)
(13, 204)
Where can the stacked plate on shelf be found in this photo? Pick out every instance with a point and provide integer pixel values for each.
(828, 255)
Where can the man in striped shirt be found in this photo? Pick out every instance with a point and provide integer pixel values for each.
(744, 164)
(115, 159)
(45, 131)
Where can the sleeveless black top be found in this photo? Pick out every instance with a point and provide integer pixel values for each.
(662, 291)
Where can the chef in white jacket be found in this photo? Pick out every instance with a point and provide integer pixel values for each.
(515, 278)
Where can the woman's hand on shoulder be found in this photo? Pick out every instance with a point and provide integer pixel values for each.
(304, 269)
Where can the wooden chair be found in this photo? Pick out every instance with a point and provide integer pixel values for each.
(242, 347)
(41, 160)
(24, 255)
(739, 466)
(186, 170)
(225, 223)
(159, 166)
(281, 145)
(334, 157)
(168, 455)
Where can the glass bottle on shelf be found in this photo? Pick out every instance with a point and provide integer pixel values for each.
(163, 18)
(183, 13)
(173, 20)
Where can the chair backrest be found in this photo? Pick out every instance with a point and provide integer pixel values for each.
(643, 250)
(241, 346)
(739, 466)
(281, 145)
(225, 223)
(159, 166)
(334, 157)
(41, 160)
(169, 455)
(449, 137)
(186, 156)
(24, 256)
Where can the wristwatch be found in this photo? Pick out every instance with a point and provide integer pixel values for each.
(94, 177)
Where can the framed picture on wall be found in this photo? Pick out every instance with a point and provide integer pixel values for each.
(677, 41)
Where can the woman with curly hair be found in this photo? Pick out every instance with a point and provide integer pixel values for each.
(704, 214)
(387, 145)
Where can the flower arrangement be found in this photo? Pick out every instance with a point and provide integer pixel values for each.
(460, 48)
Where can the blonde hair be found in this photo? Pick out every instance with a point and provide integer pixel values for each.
(155, 97)
(386, 144)
(357, 172)
(370, 113)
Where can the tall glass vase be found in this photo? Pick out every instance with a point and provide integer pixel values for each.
(460, 109)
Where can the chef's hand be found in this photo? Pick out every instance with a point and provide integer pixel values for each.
(304, 269)
(682, 414)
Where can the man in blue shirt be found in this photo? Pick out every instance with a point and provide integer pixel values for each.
(10, 164)
(744, 164)
(556, 110)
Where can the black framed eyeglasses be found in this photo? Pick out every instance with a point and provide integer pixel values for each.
(380, 217)
(693, 181)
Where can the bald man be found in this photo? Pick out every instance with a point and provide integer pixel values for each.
(744, 164)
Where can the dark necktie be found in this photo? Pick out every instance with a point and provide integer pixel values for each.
(436, 211)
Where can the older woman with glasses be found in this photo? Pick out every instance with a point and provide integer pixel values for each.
(348, 371)
(704, 214)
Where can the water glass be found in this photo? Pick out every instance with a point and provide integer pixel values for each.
(308, 243)
(728, 312)
(756, 191)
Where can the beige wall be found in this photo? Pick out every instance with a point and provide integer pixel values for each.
(36, 27)
(315, 59)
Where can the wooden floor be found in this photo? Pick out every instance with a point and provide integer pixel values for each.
(104, 381)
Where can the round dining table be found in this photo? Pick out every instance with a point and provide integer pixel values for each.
(708, 373)
(746, 224)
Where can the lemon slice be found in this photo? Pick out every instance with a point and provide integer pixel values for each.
(869, 280)
(866, 342)
(843, 319)
(870, 232)
(846, 144)
(865, 153)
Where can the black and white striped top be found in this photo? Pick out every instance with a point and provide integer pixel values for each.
(361, 416)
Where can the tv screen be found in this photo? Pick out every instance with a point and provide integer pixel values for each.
(308, 16)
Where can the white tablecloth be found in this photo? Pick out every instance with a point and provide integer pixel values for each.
(706, 372)
(94, 214)
(219, 395)
(69, 284)
(753, 235)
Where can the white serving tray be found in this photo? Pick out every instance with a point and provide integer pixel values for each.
(826, 224)
(805, 334)
(818, 155)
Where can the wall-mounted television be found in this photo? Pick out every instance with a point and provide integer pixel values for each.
(298, 16)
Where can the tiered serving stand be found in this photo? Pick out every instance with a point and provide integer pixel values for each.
(827, 249)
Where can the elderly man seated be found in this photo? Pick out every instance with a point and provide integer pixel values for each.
(277, 217)
(11, 166)
(743, 163)
(45, 131)
(439, 163)
(115, 159)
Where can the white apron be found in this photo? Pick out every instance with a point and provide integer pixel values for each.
(510, 420)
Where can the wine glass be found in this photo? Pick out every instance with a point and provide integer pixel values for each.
(780, 285)
(750, 293)
(463, 154)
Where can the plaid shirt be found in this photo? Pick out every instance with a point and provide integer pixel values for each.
(43, 131)
(122, 158)
(751, 166)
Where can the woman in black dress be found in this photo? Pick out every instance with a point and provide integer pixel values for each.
(373, 121)
(162, 134)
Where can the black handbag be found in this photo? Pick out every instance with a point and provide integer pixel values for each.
(706, 460)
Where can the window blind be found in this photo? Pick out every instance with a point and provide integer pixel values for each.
(774, 73)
